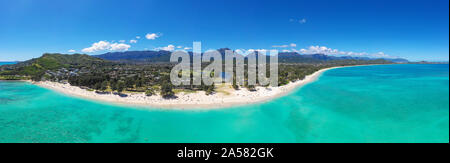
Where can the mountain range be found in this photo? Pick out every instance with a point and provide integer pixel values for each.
(285, 57)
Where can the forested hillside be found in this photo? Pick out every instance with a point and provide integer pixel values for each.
(291, 57)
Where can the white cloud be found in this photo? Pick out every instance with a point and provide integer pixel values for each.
(285, 46)
(105, 45)
(121, 41)
(239, 51)
(258, 50)
(381, 55)
(133, 41)
(167, 48)
(280, 46)
(72, 51)
(246, 52)
(319, 50)
(98, 46)
(119, 47)
(152, 36)
(173, 47)
(138, 37)
(302, 21)
(329, 51)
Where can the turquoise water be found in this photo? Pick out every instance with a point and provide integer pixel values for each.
(7, 63)
(387, 103)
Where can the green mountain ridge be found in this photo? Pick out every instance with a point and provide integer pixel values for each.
(50, 61)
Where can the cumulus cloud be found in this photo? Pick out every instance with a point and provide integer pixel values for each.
(301, 21)
(133, 41)
(167, 48)
(280, 46)
(258, 50)
(381, 55)
(246, 52)
(119, 47)
(285, 46)
(105, 45)
(121, 41)
(72, 51)
(138, 37)
(152, 36)
(329, 51)
(319, 50)
(173, 47)
(239, 51)
(263, 51)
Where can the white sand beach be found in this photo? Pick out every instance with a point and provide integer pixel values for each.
(226, 98)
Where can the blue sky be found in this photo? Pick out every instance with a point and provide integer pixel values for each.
(416, 30)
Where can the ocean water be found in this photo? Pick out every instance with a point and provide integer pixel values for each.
(7, 63)
(385, 103)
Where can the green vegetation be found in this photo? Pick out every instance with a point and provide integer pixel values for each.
(12, 77)
(251, 88)
(120, 86)
(37, 68)
(103, 76)
(209, 89)
(150, 91)
(166, 91)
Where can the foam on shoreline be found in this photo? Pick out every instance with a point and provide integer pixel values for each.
(196, 100)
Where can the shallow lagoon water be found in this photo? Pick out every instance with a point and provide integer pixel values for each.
(385, 103)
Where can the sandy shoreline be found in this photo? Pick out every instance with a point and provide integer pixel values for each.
(196, 100)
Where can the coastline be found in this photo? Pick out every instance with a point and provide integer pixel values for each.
(189, 100)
